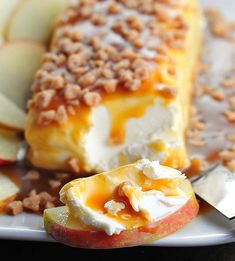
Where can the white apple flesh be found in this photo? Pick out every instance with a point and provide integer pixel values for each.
(10, 145)
(7, 8)
(8, 191)
(19, 60)
(11, 116)
(34, 20)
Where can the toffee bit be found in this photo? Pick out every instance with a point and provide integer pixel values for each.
(218, 25)
(228, 83)
(14, 208)
(54, 184)
(46, 117)
(217, 95)
(169, 92)
(197, 124)
(73, 164)
(32, 203)
(32, 175)
(232, 102)
(113, 8)
(232, 138)
(61, 115)
(230, 115)
(32, 193)
(231, 165)
(92, 98)
(62, 176)
(45, 197)
(226, 155)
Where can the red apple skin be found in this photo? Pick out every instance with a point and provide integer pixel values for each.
(4, 162)
(127, 238)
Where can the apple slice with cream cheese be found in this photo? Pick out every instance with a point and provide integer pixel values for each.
(128, 206)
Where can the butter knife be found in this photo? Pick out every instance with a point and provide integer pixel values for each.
(217, 187)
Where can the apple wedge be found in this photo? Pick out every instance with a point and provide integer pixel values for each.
(6, 7)
(34, 19)
(19, 60)
(10, 145)
(11, 116)
(65, 230)
(8, 191)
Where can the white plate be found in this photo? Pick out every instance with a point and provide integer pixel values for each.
(204, 230)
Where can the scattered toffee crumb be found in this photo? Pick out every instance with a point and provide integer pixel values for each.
(32, 175)
(54, 184)
(218, 25)
(14, 208)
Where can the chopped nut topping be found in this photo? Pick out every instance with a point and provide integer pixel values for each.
(72, 91)
(91, 98)
(112, 54)
(61, 115)
(46, 117)
(113, 8)
(44, 98)
(14, 208)
(98, 19)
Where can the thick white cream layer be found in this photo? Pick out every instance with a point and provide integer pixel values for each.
(159, 123)
(153, 170)
(91, 217)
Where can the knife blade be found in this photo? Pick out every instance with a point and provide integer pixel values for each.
(217, 187)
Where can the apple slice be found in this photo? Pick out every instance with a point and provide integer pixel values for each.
(34, 19)
(67, 231)
(8, 191)
(1, 38)
(11, 116)
(6, 7)
(10, 145)
(19, 61)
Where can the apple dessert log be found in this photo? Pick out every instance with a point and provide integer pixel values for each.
(132, 205)
(115, 86)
